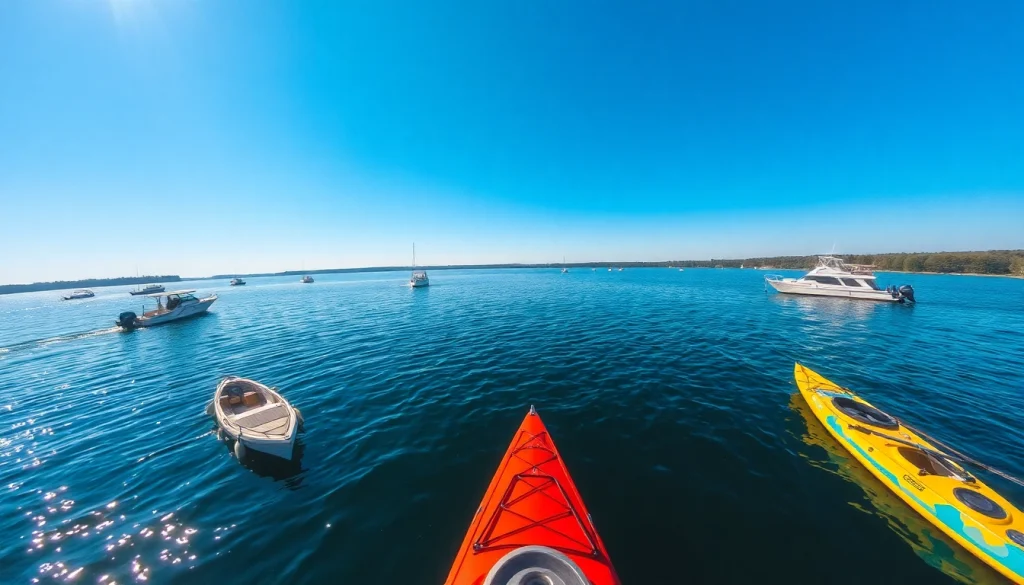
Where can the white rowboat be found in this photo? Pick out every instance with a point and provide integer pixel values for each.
(255, 417)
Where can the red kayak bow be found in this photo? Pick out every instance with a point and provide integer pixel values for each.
(532, 526)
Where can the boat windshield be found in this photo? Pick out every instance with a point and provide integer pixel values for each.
(836, 263)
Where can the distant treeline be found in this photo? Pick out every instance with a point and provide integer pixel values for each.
(991, 262)
(1001, 262)
(7, 289)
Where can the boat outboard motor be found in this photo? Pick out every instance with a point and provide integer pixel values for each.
(902, 293)
(126, 320)
(906, 291)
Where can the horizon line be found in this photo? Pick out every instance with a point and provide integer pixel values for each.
(633, 263)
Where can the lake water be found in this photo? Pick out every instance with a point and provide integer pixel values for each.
(670, 395)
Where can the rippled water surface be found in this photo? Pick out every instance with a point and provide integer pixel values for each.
(670, 395)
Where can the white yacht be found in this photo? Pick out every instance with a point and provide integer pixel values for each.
(179, 304)
(419, 277)
(79, 294)
(237, 282)
(147, 290)
(254, 417)
(834, 278)
(306, 279)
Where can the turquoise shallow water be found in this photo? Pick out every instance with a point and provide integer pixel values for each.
(669, 394)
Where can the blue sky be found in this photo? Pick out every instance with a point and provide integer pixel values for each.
(199, 136)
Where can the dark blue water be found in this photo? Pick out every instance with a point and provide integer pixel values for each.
(670, 395)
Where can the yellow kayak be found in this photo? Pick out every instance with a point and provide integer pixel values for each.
(928, 542)
(930, 480)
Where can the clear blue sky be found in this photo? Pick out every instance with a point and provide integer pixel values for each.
(213, 136)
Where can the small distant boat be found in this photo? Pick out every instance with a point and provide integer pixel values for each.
(306, 279)
(180, 304)
(564, 269)
(609, 269)
(680, 270)
(79, 294)
(418, 279)
(147, 290)
(742, 267)
(620, 270)
(237, 282)
(833, 277)
(255, 417)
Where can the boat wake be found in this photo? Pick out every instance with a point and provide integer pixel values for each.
(40, 343)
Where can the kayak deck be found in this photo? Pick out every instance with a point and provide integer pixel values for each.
(531, 501)
(931, 481)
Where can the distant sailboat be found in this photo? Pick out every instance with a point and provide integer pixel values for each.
(564, 269)
(419, 277)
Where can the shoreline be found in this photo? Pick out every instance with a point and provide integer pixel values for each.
(126, 281)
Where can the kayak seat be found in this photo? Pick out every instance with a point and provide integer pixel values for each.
(865, 413)
(924, 463)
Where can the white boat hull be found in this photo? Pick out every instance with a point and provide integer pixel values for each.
(182, 312)
(419, 283)
(795, 287)
(284, 449)
(279, 442)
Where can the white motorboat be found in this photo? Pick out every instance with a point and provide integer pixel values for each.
(79, 294)
(255, 417)
(418, 279)
(306, 279)
(147, 290)
(237, 282)
(833, 277)
(180, 304)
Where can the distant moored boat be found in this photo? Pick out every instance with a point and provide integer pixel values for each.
(79, 294)
(418, 279)
(148, 289)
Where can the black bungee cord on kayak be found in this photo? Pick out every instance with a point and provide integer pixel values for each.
(941, 459)
(953, 456)
(965, 458)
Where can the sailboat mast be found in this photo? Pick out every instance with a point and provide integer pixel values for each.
(414, 254)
